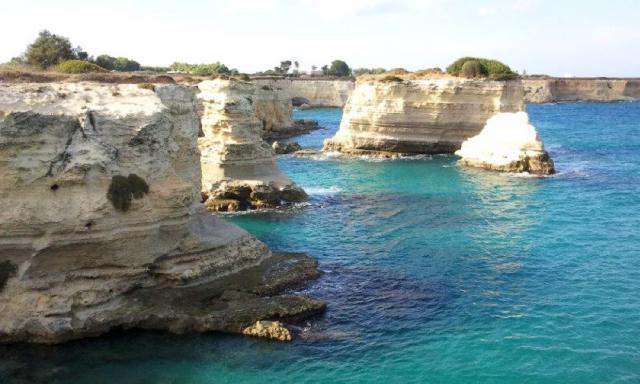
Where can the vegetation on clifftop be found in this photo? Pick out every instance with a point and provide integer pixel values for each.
(480, 67)
(121, 64)
(49, 49)
(78, 66)
(216, 68)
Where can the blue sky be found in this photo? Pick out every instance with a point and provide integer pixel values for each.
(561, 37)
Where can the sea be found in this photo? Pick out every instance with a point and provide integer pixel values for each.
(432, 273)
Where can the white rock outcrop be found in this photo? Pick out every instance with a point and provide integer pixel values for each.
(101, 224)
(431, 115)
(238, 167)
(507, 143)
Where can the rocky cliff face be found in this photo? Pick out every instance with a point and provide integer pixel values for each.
(321, 93)
(101, 224)
(433, 115)
(273, 107)
(548, 90)
(508, 143)
(315, 93)
(238, 168)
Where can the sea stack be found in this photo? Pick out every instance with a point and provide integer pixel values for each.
(508, 143)
(101, 224)
(413, 114)
(239, 171)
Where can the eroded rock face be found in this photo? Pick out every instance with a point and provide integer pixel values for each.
(508, 143)
(548, 90)
(420, 116)
(321, 93)
(273, 108)
(313, 93)
(236, 163)
(101, 224)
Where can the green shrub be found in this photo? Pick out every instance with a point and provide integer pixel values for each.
(49, 49)
(472, 68)
(339, 68)
(494, 69)
(78, 66)
(201, 69)
(121, 64)
(123, 189)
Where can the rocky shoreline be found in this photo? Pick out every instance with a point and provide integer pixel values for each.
(102, 225)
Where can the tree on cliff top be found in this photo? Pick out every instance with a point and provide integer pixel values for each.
(339, 68)
(117, 63)
(49, 49)
(494, 69)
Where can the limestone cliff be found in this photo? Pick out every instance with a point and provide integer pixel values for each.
(321, 93)
(274, 110)
(273, 107)
(238, 168)
(548, 90)
(431, 115)
(101, 224)
(315, 93)
(508, 143)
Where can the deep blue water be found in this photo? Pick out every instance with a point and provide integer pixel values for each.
(432, 273)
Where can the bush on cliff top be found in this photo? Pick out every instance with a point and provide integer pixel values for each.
(494, 69)
(78, 66)
(473, 68)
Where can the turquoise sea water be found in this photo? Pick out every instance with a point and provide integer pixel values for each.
(432, 274)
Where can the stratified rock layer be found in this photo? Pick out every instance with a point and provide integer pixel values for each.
(273, 108)
(321, 93)
(101, 224)
(237, 165)
(548, 90)
(313, 93)
(433, 115)
(508, 143)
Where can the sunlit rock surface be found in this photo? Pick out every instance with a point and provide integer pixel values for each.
(432, 115)
(508, 143)
(101, 224)
(236, 163)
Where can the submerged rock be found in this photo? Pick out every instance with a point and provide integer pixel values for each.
(285, 148)
(508, 143)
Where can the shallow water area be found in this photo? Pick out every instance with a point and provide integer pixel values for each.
(432, 273)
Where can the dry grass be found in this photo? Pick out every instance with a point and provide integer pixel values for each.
(29, 75)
